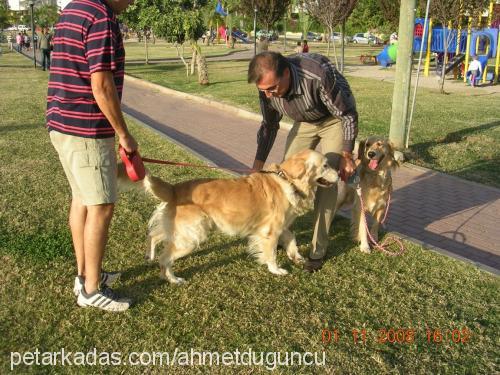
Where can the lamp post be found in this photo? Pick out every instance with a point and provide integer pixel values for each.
(255, 30)
(32, 4)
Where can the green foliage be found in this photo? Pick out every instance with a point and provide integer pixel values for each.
(46, 15)
(367, 16)
(174, 20)
(269, 11)
(4, 15)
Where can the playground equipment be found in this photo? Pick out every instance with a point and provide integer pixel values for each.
(388, 55)
(484, 43)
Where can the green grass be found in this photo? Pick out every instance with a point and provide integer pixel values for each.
(457, 133)
(163, 50)
(229, 302)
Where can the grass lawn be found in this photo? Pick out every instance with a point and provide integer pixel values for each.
(229, 303)
(163, 50)
(456, 133)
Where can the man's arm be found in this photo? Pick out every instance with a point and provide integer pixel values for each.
(106, 96)
(337, 97)
(267, 132)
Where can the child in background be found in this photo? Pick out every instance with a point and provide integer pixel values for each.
(475, 70)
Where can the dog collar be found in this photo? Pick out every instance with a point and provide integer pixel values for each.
(280, 173)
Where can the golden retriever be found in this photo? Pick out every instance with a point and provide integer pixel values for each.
(260, 207)
(375, 164)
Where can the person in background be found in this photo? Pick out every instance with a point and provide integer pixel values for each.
(44, 43)
(475, 70)
(298, 49)
(305, 47)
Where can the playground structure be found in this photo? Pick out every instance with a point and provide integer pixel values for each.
(461, 45)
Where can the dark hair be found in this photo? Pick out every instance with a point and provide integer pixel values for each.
(299, 43)
(264, 62)
(305, 41)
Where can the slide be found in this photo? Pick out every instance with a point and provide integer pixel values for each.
(454, 62)
(238, 35)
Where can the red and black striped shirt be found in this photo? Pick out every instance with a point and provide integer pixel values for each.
(87, 40)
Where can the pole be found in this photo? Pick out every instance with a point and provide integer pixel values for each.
(342, 47)
(284, 46)
(255, 31)
(428, 50)
(410, 119)
(33, 34)
(401, 95)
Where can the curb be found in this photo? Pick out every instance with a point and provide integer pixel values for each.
(243, 113)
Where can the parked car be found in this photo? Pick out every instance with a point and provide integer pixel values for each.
(362, 39)
(23, 28)
(315, 37)
(269, 35)
(337, 37)
(12, 28)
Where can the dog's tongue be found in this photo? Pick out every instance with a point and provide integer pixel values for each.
(373, 164)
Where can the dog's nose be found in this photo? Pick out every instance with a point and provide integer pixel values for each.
(371, 154)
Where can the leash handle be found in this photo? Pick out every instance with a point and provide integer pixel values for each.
(133, 164)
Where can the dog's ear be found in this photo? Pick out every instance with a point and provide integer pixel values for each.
(295, 167)
(392, 162)
(361, 149)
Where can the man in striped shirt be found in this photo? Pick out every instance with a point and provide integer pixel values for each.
(83, 115)
(308, 89)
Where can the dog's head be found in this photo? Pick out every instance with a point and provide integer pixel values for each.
(308, 169)
(377, 154)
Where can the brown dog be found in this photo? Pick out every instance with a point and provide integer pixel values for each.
(376, 162)
(260, 207)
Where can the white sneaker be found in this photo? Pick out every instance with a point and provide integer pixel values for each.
(104, 299)
(107, 279)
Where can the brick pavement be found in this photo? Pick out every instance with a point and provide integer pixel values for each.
(442, 211)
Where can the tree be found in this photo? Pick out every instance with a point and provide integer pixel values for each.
(331, 13)
(4, 14)
(46, 15)
(180, 21)
(450, 13)
(269, 11)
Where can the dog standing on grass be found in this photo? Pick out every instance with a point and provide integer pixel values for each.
(260, 207)
(375, 165)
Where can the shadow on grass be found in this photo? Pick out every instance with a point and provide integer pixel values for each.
(141, 290)
(423, 149)
(41, 246)
(18, 127)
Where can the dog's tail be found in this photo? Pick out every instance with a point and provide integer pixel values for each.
(150, 184)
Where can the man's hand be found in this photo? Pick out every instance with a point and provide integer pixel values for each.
(257, 165)
(128, 143)
(347, 164)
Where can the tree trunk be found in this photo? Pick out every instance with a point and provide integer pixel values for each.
(334, 48)
(146, 48)
(202, 69)
(180, 54)
(342, 52)
(193, 60)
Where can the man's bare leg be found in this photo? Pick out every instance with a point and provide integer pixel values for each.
(95, 239)
(77, 218)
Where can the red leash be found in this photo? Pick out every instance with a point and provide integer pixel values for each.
(136, 171)
(381, 246)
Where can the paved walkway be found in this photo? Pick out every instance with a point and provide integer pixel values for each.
(459, 217)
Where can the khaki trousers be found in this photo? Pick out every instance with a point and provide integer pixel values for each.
(330, 134)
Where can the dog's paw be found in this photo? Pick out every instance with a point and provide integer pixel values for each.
(365, 249)
(297, 259)
(278, 271)
(177, 280)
